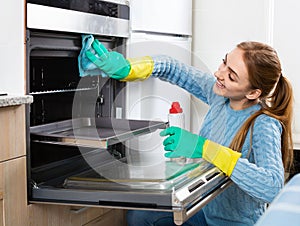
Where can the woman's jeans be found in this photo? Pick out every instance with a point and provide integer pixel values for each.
(156, 218)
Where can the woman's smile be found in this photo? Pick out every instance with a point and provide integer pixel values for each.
(219, 84)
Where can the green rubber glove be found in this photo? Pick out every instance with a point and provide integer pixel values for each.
(182, 143)
(112, 63)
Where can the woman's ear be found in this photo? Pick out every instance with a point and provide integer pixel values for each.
(253, 94)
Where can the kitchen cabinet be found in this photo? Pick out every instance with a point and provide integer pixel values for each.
(113, 218)
(13, 193)
(12, 132)
(13, 202)
(55, 215)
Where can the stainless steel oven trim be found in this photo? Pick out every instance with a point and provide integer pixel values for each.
(197, 188)
(56, 19)
(181, 216)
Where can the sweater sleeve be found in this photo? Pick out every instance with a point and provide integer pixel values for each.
(193, 80)
(264, 178)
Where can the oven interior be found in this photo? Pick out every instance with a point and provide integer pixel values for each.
(54, 82)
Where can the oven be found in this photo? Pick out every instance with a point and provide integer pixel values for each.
(81, 150)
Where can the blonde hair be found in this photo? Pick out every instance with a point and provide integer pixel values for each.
(276, 99)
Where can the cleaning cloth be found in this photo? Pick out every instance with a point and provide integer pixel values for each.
(85, 66)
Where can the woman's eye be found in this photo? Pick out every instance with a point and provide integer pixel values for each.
(229, 74)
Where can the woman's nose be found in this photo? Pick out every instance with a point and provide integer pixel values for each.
(219, 74)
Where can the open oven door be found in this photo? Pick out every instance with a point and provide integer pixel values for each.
(126, 174)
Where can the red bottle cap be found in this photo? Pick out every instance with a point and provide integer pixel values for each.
(175, 108)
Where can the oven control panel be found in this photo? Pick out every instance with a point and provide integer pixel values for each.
(99, 7)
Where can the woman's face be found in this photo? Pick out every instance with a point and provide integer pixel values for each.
(232, 79)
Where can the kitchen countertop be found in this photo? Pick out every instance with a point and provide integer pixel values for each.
(11, 100)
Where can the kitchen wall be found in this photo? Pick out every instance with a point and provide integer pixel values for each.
(286, 38)
(12, 47)
(219, 25)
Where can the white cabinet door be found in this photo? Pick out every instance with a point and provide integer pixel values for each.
(162, 16)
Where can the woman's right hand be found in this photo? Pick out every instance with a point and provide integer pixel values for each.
(111, 63)
(117, 67)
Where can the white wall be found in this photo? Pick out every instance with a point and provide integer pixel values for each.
(12, 47)
(219, 25)
(286, 42)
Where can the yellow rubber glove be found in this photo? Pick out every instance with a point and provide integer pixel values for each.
(140, 68)
(222, 157)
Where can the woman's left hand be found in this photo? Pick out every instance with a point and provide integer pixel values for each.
(182, 143)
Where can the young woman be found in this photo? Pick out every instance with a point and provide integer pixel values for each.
(246, 132)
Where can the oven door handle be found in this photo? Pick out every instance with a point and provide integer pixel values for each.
(181, 216)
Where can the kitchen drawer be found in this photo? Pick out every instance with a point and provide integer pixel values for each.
(13, 204)
(115, 217)
(60, 215)
(12, 132)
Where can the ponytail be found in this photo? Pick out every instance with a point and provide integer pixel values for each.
(282, 109)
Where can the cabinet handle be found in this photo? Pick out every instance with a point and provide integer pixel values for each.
(1, 195)
(78, 210)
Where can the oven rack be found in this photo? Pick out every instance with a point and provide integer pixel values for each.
(62, 91)
(93, 132)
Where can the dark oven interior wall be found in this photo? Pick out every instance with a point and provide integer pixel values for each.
(53, 77)
(296, 166)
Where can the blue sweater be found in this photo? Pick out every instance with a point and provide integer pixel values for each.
(257, 180)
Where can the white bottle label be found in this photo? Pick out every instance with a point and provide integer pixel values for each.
(176, 119)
